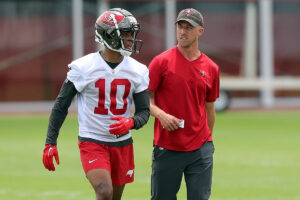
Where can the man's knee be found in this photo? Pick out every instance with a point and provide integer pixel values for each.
(104, 191)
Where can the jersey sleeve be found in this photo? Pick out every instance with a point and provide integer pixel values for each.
(144, 80)
(213, 92)
(155, 74)
(142, 110)
(60, 111)
(76, 77)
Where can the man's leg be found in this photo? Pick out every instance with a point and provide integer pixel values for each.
(95, 160)
(198, 174)
(122, 168)
(166, 175)
(101, 181)
(102, 185)
(118, 191)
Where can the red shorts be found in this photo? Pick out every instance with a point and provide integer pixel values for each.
(119, 161)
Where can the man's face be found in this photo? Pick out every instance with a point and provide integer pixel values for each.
(186, 34)
(127, 39)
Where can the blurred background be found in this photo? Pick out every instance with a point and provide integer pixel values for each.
(255, 43)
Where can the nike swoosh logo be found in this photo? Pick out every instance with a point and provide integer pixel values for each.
(91, 161)
(50, 149)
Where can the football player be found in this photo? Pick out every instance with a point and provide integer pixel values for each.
(106, 84)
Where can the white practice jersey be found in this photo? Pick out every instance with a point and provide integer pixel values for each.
(104, 92)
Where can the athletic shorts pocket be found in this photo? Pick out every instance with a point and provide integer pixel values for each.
(158, 152)
(212, 146)
(207, 149)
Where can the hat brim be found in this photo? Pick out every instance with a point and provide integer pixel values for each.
(194, 24)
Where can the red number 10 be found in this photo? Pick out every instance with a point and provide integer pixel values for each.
(100, 84)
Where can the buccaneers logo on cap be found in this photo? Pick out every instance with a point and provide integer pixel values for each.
(106, 18)
(188, 11)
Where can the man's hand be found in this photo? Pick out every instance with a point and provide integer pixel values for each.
(49, 152)
(169, 122)
(123, 125)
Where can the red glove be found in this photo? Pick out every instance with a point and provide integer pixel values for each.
(123, 125)
(49, 152)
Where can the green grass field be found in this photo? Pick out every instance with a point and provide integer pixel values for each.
(257, 157)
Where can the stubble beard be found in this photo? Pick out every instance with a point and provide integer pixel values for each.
(186, 45)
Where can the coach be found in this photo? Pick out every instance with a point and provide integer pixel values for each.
(184, 83)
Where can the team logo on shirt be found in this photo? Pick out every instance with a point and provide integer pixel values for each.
(202, 73)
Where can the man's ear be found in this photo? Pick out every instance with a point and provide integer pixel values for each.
(200, 31)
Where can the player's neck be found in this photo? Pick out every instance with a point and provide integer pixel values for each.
(111, 56)
(190, 53)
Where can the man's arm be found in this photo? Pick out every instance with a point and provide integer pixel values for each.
(140, 118)
(60, 111)
(142, 110)
(168, 121)
(57, 117)
(211, 114)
